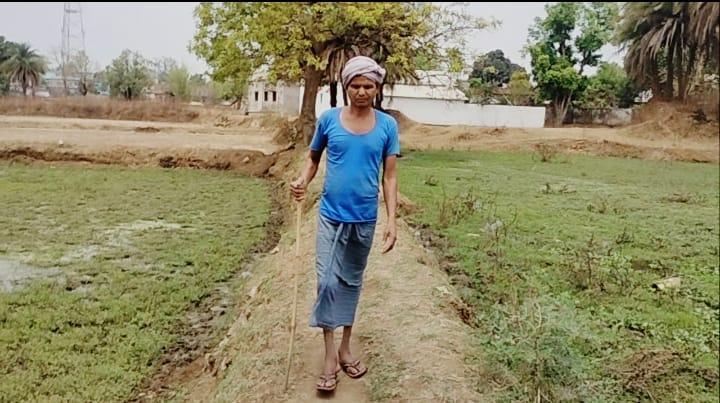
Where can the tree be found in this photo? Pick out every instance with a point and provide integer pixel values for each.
(520, 89)
(128, 75)
(179, 81)
(494, 68)
(669, 40)
(608, 88)
(232, 90)
(25, 66)
(161, 68)
(479, 91)
(237, 38)
(5, 50)
(558, 61)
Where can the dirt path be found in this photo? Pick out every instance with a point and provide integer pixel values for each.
(408, 331)
(103, 135)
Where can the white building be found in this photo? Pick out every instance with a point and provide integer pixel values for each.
(264, 97)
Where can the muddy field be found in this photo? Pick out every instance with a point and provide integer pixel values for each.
(247, 144)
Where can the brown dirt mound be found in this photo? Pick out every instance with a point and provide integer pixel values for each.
(98, 108)
(404, 122)
(286, 132)
(664, 119)
(251, 162)
(615, 149)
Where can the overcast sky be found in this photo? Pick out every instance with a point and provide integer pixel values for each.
(166, 29)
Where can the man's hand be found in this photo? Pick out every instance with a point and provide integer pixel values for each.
(297, 189)
(389, 237)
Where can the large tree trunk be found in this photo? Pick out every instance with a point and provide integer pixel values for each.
(687, 73)
(669, 90)
(682, 79)
(24, 87)
(306, 123)
(655, 79)
(560, 108)
(333, 94)
(379, 98)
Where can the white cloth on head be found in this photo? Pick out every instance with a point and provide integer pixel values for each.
(362, 66)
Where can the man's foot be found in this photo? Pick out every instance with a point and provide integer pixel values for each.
(352, 367)
(327, 382)
(328, 379)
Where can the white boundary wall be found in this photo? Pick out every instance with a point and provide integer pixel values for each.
(441, 112)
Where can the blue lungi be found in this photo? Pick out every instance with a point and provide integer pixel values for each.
(342, 250)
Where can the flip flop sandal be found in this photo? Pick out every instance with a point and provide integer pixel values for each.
(326, 380)
(356, 373)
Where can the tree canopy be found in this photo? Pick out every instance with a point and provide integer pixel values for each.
(310, 41)
(562, 44)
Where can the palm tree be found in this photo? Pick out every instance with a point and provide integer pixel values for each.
(25, 66)
(674, 34)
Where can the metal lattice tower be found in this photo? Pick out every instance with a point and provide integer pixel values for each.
(73, 42)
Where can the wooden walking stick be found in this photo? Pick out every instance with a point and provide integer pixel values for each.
(295, 293)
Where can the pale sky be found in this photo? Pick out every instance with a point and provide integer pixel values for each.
(165, 29)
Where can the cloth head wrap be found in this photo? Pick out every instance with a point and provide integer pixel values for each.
(362, 66)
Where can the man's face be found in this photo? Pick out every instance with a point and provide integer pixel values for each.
(362, 91)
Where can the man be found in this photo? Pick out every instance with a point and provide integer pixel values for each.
(358, 140)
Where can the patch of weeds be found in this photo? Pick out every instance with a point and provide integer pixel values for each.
(455, 208)
(678, 198)
(532, 352)
(617, 270)
(545, 152)
(431, 181)
(603, 205)
(562, 188)
(624, 238)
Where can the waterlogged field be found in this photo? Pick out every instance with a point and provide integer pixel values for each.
(99, 267)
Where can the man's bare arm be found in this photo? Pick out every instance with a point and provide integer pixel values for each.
(299, 186)
(390, 193)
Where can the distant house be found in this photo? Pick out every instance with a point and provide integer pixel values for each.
(160, 92)
(436, 99)
(56, 86)
(432, 88)
(264, 97)
(422, 97)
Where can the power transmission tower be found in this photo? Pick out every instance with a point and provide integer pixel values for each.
(73, 45)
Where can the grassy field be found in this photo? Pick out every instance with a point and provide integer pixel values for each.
(131, 252)
(557, 261)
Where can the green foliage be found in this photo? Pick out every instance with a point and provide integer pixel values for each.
(179, 82)
(666, 41)
(5, 49)
(237, 38)
(563, 301)
(520, 88)
(128, 75)
(608, 88)
(493, 67)
(557, 65)
(23, 65)
(479, 91)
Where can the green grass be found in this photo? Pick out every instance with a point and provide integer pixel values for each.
(562, 291)
(137, 249)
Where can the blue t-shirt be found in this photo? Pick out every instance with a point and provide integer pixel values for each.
(350, 192)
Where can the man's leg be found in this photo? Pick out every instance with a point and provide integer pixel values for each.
(330, 354)
(346, 356)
